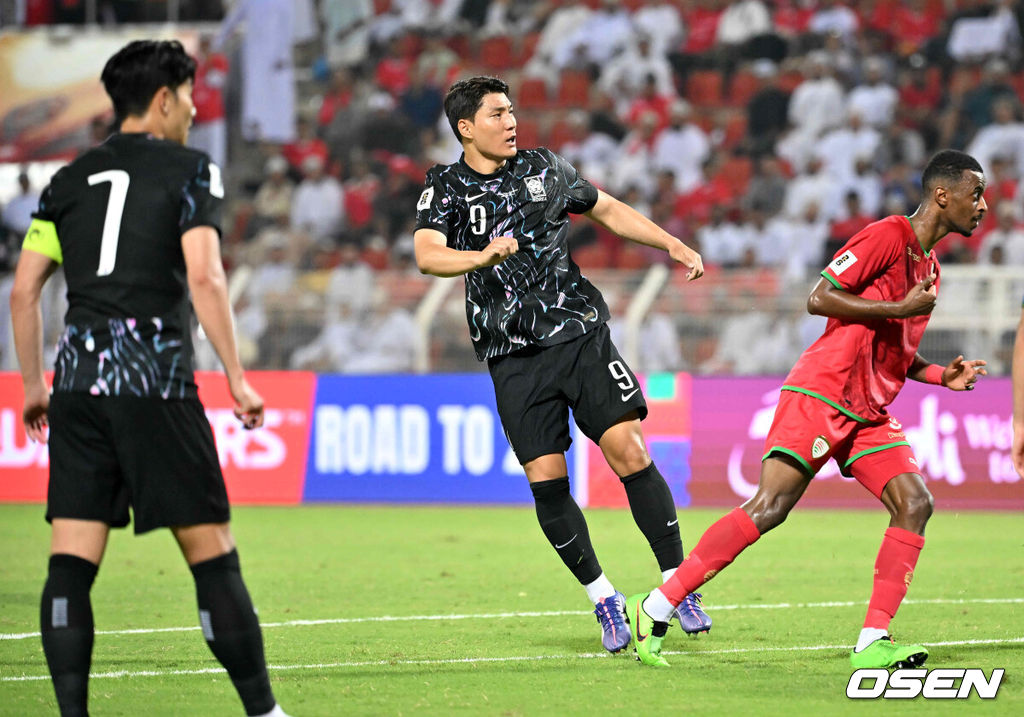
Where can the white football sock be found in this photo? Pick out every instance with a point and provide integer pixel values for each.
(869, 635)
(658, 607)
(599, 589)
(666, 574)
(276, 712)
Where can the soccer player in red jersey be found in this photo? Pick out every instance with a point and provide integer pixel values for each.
(877, 294)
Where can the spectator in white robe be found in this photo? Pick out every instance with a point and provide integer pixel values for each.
(268, 78)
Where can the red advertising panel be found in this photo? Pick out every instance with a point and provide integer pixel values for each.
(23, 464)
(961, 441)
(266, 465)
(263, 466)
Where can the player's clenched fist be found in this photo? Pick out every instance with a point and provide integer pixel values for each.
(499, 250)
(921, 299)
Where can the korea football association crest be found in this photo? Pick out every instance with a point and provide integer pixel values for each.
(535, 186)
(819, 447)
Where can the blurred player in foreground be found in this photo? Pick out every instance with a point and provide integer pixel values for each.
(500, 216)
(877, 294)
(135, 223)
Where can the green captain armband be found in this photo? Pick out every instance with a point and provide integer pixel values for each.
(41, 237)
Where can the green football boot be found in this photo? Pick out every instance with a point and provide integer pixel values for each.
(884, 653)
(647, 644)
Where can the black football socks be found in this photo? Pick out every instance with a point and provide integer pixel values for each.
(65, 618)
(565, 528)
(232, 629)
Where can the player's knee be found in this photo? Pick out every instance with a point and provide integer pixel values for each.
(767, 511)
(917, 507)
(630, 458)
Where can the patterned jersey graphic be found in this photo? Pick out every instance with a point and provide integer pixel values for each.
(536, 297)
(128, 358)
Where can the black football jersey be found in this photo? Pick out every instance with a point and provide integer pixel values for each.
(536, 297)
(119, 212)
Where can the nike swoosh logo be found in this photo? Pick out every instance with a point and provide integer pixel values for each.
(475, 196)
(640, 637)
(559, 547)
(672, 523)
(627, 396)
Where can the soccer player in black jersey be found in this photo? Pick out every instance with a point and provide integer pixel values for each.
(135, 223)
(500, 217)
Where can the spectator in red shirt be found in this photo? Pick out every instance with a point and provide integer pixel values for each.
(715, 190)
(306, 145)
(649, 100)
(914, 23)
(337, 97)
(853, 220)
(393, 70)
(209, 127)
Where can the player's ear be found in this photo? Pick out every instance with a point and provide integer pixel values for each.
(163, 98)
(941, 196)
(465, 129)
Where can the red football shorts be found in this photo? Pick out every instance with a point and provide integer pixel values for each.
(812, 431)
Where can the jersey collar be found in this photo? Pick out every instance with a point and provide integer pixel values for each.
(492, 175)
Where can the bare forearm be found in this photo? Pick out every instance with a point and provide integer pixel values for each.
(621, 219)
(838, 304)
(445, 261)
(27, 324)
(210, 300)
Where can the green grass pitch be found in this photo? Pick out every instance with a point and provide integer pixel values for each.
(509, 631)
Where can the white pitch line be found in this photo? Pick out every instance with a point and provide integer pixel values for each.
(483, 660)
(549, 613)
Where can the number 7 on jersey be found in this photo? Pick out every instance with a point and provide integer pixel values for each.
(119, 180)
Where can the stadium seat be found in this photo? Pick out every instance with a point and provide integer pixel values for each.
(592, 256)
(743, 87)
(573, 89)
(631, 256)
(496, 52)
(736, 171)
(528, 133)
(789, 80)
(532, 94)
(704, 87)
(735, 129)
(526, 47)
(559, 134)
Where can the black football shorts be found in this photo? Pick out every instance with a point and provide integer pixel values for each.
(111, 452)
(535, 387)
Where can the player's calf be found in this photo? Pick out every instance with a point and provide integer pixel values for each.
(232, 630)
(67, 630)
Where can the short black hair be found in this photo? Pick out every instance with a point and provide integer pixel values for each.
(140, 68)
(465, 97)
(948, 165)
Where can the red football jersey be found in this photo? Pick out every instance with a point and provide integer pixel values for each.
(860, 366)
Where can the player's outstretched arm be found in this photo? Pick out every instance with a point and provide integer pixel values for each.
(621, 219)
(434, 256)
(209, 287)
(27, 323)
(1018, 398)
(828, 300)
(959, 375)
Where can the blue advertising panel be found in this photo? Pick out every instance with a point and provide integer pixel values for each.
(411, 439)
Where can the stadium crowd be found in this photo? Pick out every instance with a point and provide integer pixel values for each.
(764, 134)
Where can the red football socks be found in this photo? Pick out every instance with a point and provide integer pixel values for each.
(894, 568)
(718, 547)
